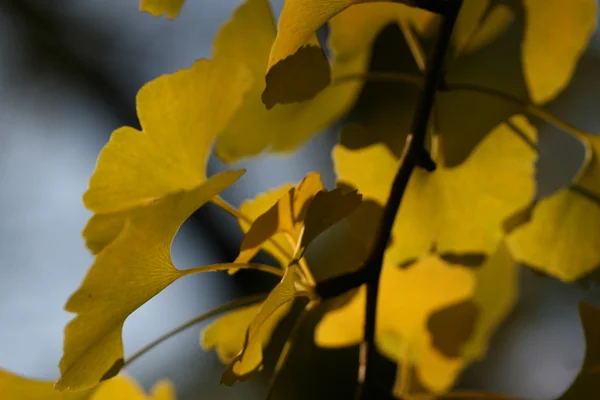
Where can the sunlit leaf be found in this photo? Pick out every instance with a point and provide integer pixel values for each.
(302, 213)
(249, 359)
(130, 270)
(432, 315)
(247, 40)
(278, 246)
(562, 238)
(14, 387)
(227, 334)
(479, 23)
(556, 35)
(169, 8)
(124, 388)
(457, 209)
(180, 116)
(586, 384)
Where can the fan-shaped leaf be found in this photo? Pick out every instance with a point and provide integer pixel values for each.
(562, 237)
(434, 316)
(130, 270)
(556, 35)
(457, 209)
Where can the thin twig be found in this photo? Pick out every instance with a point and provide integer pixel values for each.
(413, 44)
(414, 154)
(199, 319)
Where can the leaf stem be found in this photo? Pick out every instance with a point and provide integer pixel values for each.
(199, 319)
(227, 266)
(413, 155)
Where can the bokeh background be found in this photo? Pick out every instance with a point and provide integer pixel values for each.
(69, 72)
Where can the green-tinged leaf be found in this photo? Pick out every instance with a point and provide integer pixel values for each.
(227, 334)
(436, 296)
(247, 40)
(479, 23)
(562, 236)
(249, 359)
(587, 384)
(14, 387)
(130, 270)
(169, 8)
(457, 209)
(556, 35)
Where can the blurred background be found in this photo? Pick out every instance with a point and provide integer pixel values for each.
(69, 72)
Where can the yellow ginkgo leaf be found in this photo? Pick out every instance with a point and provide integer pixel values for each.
(286, 217)
(556, 35)
(180, 115)
(297, 68)
(278, 246)
(479, 22)
(586, 384)
(562, 237)
(458, 209)
(301, 214)
(102, 229)
(249, 359)
(169, 8)
(442, 321)
(227, 334)
(247, 40)
(129, 271)
(124, 388)
(14, 387)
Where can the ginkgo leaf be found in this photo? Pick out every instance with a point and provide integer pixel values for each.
(14, 387)
(285, 216)
(129, 271)
(227, 334)
(124, 388)
(562, 238)
(249, 359)
(180, 116)
(436, 296)
(586, 385)
(556, 35)
(169, 8)
(458, 209)
(479, 22)
(302, 213)
(278, 246)
(296, 55)
(102, 229)
(247, 40)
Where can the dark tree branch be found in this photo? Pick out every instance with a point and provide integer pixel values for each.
(414, 155)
